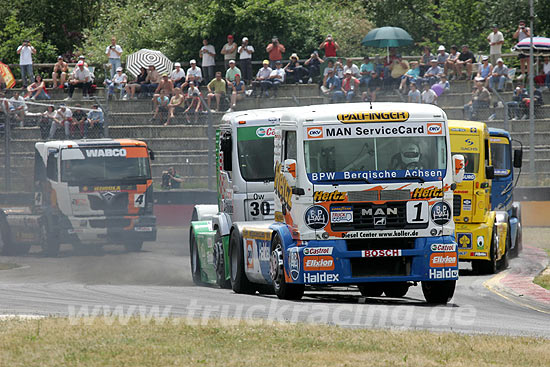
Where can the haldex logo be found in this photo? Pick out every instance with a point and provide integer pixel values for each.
(265, 132)
(321, 278)
(98, 153)
(443, 273)
(314, 132)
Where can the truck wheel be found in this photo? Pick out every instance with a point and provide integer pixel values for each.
(283, 290)
(194, 256)
(219, 262)
(396, 289)
(438, 292)
(239, 280)
(48, 241)
(503, 262)
(517, 248)
(134, 246)
(371, 289)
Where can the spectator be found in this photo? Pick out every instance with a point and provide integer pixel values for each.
(485, 69)
(499, 75)
(229, 51)
(177, 76)
(414, 94)
(165, 85)
(481, 98)
(432, 74)
(339, 68)
(18, 107)
(25, 52)
(354, 69)
(522, 33)
(190, 78)
(113, 52)
(467, 59)
(428, 95)
(425, 60)
(275, 51)
(63, 118)
(328, 68)
(231, 72)
(332, 87)
(175, 105)
(37, 90)
(444, 83)
(94, 122)
(47, 119)
(245, 56)
(442, 57)
(171, 180)
(375, 86)
(59, 71)
(350, 84)
(520, 94)
(276, 78)
(238, 92)
(136, 85)
(262, 77)
(80, 78)
(329, 46)
(83, 59)
(450, 64)
(546, 72)
(388, 62)
(367, 67)
(295, 73)
(119, 82)
(195, 71)
(78, 121)
(410, 76)
(398, 68)
(496, 39)
(160, 106)
(151, 81)
(2, 85)
(208, 53)
(193, 93)
(216, 88)
(313, 64)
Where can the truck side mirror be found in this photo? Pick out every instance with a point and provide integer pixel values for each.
(225, 147)
(289, 171)
(518, 158)
(51, 166)
(151, 155)
(458, 168)
(490, 172)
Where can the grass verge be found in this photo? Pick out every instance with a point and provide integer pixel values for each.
(7, 266)
(544, 278)
(55, 342)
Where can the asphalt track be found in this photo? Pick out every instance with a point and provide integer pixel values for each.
(156, 282)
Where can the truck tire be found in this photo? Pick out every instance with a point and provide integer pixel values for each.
(133, 246)
(518, 247)
(48, 241)
(491, 266)
(7, 246)
(438, 292)
(504, 260)
(283, 290)
(370, 289)
(194, 257)
(219, 262)
(396, 289)
(239, 280)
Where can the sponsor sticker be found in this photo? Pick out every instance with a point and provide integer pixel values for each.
(316, 217)
(380, 253)
(249, 254)
(282, 188)
(434, 128)
(426, 193)
(441, 213)
(265, 132)
(464, 240)
(264, 249)
(443, 247)
(98, 153)
(143, 229)
(440, 260)
(314, 132)
(469, 177)
(467, 204)
(357, 117)
(318, 263)
(443, 273)
(478, 254)
(341, 214)
(294, 263)
(318, 251)
(321, 278)
(480, 242)
(329, 196)
(256, 234)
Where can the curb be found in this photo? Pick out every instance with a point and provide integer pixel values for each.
(516, 283)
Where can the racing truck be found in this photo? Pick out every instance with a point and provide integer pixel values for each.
(363, 196)
(86, 192)
(244, 175)
(482, 204)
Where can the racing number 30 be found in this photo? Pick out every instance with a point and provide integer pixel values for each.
(417, 211)
(258, 208)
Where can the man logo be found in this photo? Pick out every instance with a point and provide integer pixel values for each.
(379, 221)
(434, 129)
(314, 132)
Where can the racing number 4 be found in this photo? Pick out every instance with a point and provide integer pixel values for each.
(417, 211)
(139, 200)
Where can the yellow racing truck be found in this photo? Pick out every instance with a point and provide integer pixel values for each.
(482, 234)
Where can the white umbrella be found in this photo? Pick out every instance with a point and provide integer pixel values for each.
(144, 58)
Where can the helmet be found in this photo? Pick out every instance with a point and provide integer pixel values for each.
(410, 154)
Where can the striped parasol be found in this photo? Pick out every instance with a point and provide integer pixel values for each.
(541, 45)
(144, 58)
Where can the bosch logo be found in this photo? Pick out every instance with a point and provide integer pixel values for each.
(434, 129)
(265, 132)
(314, 132)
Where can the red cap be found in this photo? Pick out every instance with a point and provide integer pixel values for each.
(80, 63)
(230, 36)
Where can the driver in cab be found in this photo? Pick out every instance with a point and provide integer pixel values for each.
(408, 158)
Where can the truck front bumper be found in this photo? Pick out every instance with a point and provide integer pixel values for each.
(109, 229)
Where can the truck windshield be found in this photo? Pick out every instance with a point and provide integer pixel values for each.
(255, 150)
(501, 157)
(376, 159)
(102, 164)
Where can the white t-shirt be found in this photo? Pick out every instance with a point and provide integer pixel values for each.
(82, 74)
(112, 54)
(15, 103)
(428, 96)
(280, 72)
(207, 59)
(495, 37)
(243, 54)
(193, 92)
(64, 115)
(196, 72)
(546, 68)
(176, 75)
(118, 79)
(228, 47)
(354, 70)
(25, 57)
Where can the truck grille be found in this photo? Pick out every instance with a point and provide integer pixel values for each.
(362, 195)
(112, 203)
(457, 205)
(380, 266)
(395, 195)
(365, 217)
(110, 223)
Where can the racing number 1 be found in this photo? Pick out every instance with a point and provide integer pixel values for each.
(417, 211)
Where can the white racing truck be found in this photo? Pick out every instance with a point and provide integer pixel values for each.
(363, 196)
(86, 192)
